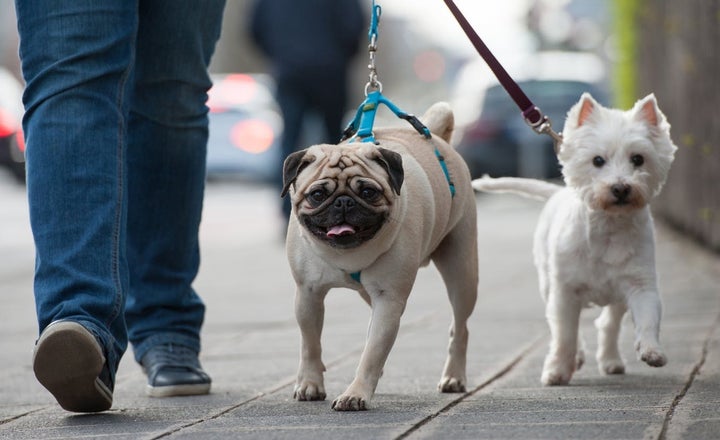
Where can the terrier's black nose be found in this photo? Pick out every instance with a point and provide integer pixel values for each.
(620, 191)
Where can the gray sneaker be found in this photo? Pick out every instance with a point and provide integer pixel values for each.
(174, 370)
(69, 361)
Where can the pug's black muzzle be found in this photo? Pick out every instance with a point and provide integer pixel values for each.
(344, 222)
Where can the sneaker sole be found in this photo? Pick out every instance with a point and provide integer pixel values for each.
(178, 390)
(67, 361)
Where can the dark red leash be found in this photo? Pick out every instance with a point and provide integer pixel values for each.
(532, 114)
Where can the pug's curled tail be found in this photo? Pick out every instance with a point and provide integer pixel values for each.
(532, 188)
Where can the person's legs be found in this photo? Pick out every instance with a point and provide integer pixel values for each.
(77, 57)
(293, 103)
(167, 145)
(331, 102)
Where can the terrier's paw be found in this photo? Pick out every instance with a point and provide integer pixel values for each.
(553, 378)
(308, 390)
(611, 366)
(650, 353)
(557, 371)
(451, 385)
(653, 357)
(346, 402)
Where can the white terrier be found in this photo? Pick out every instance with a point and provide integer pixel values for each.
(594, 242)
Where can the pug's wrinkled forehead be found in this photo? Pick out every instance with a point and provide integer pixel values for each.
(344, 162)
(343, 165)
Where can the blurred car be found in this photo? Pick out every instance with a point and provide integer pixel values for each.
(500, 143)
(245, 128)
(12, 145)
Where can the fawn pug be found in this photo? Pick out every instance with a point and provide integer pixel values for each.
(367, 216)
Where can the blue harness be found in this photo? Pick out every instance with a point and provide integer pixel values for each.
(361, 127)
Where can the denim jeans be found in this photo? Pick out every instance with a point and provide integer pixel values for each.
(116, 128)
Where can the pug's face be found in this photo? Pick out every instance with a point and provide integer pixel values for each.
(343, 194)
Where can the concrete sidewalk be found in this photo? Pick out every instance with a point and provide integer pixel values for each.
(251, 346)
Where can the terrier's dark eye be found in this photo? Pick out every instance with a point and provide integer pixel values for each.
(317, 196)
(369, 194)
(637, 160)
(598, 161)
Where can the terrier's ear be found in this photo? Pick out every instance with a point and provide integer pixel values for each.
(647, 110)
(587, 107)
(579, 114)
(292, 166)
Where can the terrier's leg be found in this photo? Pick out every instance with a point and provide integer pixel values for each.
(608, 325)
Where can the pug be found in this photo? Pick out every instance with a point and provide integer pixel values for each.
(366, 216)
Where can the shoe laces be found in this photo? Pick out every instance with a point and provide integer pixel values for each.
(171, 355)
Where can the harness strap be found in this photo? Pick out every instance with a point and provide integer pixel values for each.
(444, 167)
(355, 276)
(361, 127)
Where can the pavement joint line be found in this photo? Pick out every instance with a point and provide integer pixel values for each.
(281, 384)
(20, 416)
(688, 384)
(495, 377)
(213, 416)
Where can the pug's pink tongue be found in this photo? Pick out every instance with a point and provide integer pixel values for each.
(339, 230)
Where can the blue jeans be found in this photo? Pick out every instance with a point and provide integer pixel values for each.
(116, 128)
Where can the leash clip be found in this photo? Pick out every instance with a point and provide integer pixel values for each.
(361, 127)
(542, 125)
(373, 84)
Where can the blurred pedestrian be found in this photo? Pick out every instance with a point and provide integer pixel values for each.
(310, 45)
(116, 128)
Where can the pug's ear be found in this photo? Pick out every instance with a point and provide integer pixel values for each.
(292, 167)
(392, 163)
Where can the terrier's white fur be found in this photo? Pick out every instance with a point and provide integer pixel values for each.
(594, 242)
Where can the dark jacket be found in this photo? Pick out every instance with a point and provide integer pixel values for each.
(304, 37)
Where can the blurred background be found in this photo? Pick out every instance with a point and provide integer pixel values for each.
(618, 50)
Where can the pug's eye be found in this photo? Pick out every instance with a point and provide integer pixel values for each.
(369, 194)
(317, 196)
(598, 161)
(637, 160)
